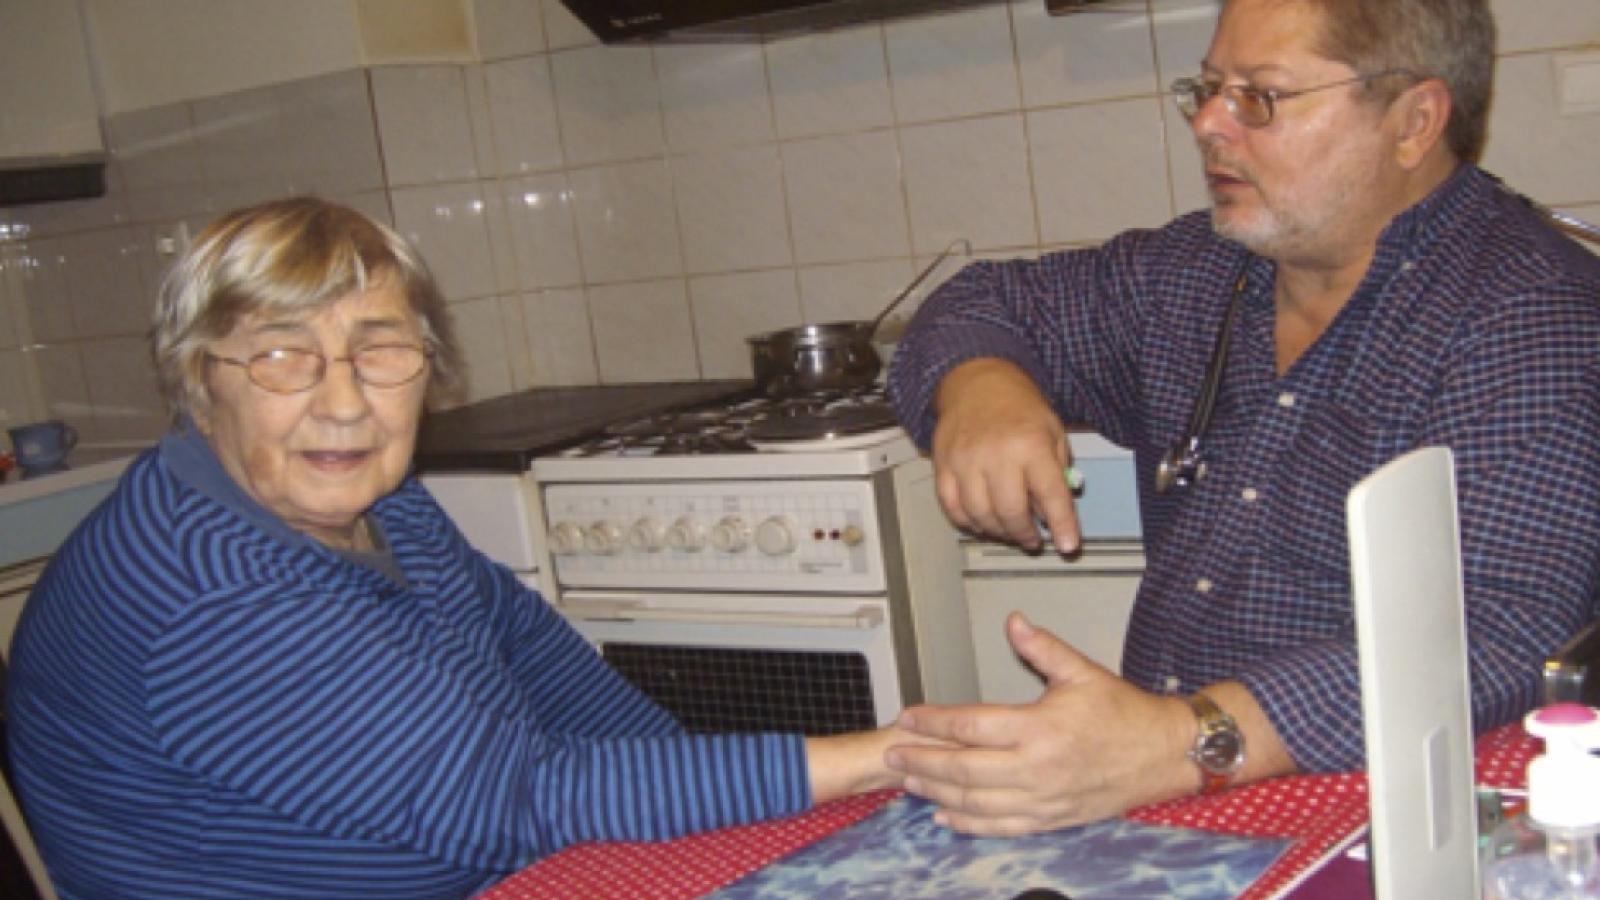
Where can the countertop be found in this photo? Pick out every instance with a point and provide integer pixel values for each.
(85, 466)
(505, 434)
(37, 514)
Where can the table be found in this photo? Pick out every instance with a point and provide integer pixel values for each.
(1320, 813)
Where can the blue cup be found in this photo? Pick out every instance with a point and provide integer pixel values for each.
(42, 448)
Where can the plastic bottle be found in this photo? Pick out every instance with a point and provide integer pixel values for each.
(1553, 852)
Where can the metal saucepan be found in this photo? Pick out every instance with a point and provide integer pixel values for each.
(830, 355)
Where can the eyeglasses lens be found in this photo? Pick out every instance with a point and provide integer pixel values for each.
(1250, 106)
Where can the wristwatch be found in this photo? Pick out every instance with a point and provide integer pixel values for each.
(1219, 747)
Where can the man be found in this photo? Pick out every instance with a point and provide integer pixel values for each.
(1386, 294)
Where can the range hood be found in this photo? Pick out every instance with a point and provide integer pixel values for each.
(25, 181)
(615, 21)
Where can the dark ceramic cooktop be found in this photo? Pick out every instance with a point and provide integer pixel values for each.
(506, 433)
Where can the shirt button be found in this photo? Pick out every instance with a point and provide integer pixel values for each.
(1407, 266)
(1203, 585)
(1170, 684)
(1249, 495)
(1286, 400)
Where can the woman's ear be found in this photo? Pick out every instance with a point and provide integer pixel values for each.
(1423, 111)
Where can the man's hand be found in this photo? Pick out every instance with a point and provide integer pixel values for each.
(1093, 746)
(1000, 454)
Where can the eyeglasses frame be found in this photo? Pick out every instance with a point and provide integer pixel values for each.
(427, 350)
(1188, 91)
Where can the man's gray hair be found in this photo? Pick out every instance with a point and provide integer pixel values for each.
(1451, 40)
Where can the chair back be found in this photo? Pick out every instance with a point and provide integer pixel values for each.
(16, 582)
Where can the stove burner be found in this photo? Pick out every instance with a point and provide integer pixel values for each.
(837, 422)
(661, 423)
(738, 427)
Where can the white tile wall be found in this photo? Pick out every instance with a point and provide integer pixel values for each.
(567, 193)
(559, 338)
(731, 209)
(424, 124)
(610, 103)
(929, 82)
(969, 179)
(522, 106)
(834, 82)
(627, 226)
(643, 331)
(730, 308)
(845, 197)
(508, 27)
(714, 95)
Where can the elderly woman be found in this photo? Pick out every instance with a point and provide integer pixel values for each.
(269, 665)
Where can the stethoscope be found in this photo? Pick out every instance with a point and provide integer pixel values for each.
(1185, 462)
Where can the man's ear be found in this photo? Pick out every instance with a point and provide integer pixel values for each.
(1423, 110)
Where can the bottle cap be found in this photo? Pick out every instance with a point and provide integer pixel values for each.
(1564, 781)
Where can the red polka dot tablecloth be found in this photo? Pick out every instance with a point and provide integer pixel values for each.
(1317, 812)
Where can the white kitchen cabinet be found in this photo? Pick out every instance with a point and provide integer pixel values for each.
(1085, 600)
(48, 109)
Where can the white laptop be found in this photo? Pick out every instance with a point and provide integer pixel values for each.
(1405, 573)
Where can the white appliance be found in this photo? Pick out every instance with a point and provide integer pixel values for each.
(751, 581)
(752, 564)
(499, 514)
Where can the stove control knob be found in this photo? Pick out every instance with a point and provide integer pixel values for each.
(686, 535)
(730, 535)
(566, 539)
(646, 535)
(852, 535)
(776, 536)
(604, 537)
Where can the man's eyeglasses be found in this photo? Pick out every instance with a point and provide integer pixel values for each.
(1252, 106)
(289, 370)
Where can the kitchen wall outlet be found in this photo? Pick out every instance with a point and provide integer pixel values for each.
(1578, 83)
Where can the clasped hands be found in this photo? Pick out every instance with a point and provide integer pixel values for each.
(1091, 747)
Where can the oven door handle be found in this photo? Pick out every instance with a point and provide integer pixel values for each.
(864, 618)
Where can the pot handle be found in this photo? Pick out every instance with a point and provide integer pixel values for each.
(966, 245)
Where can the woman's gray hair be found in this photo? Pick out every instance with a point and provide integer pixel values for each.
(1451, 40)
(287, 257)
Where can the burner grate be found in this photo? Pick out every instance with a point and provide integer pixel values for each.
(724, 689)
(739, 427)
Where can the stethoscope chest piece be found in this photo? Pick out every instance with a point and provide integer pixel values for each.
(1183, 464)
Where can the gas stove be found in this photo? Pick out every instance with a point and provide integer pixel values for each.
(814, 435)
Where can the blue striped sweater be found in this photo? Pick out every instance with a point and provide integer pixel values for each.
(203, 706)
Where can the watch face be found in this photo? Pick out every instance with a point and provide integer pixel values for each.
(1220, 751)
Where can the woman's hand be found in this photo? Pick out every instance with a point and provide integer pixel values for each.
(853, 763)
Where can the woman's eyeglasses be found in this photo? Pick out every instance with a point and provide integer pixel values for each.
(289, 370)
(1252, 106)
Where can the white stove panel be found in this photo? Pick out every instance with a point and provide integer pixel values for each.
(794, 536)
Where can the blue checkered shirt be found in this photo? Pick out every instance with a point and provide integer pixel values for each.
(1477, 327)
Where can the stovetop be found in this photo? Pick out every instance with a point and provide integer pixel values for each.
(506, 434)
(823, 420)
(677, 419)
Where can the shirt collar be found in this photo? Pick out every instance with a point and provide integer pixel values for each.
(1415, 229)
(191, 459)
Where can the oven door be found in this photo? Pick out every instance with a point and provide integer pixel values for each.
(728, 662)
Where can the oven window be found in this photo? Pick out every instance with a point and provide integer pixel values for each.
(723, 689)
